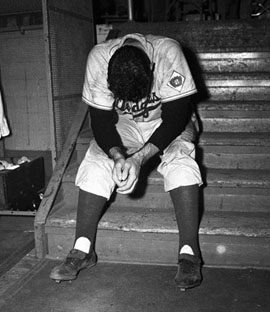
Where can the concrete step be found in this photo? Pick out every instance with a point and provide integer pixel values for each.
(242, 113)
(232, 112)
(224, 189)
(234, 157)
(147, 235)
(236, 86)
(213, 36)
(211, 199)
(235, 139)
(227, 178)
(255, 114)
(235, 106)
(229, 62)
(235, 93)
(250, 122)
(238, 79)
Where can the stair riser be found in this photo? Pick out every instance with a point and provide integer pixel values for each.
(234, 157)
(212, 199)
(235, 114)
(249, 107)
(158, 248)
(235, 125)
(227, 202)
(230, 65)
(237, 161)
(221, 201)
(239, 93)
(236, 79)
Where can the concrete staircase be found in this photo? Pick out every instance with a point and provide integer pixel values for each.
(234, 155)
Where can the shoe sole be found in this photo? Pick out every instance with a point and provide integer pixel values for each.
(183, 288)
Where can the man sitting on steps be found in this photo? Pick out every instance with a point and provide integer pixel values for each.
(138, 89)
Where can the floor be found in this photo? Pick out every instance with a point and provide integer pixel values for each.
(125, 287)
(16, 240)
(119, 287)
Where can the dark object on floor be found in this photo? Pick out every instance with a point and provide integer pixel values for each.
(20, 187)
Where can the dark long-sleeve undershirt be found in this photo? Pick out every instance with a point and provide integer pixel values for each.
(104, 129)
(175, 116)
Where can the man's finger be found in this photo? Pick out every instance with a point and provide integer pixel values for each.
(128, 188)
(125, 172)
(117, 172)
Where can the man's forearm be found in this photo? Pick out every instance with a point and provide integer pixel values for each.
(145, 153)
(104, 130)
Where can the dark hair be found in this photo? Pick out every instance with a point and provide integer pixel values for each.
(130, 74)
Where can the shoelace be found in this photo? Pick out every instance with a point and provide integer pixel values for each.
(186, 266)
(73, 261)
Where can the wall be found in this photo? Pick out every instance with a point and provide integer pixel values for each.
(24, 88)
(23, 84)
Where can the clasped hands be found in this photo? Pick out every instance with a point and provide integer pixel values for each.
(126, 174)
(126, 170)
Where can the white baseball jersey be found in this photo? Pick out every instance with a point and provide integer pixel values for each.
(172, 77)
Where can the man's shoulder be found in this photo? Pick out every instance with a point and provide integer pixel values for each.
(102, 51)
(158, 40)
(163, 46)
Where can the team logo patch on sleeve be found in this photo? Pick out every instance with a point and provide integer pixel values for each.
(176, 81)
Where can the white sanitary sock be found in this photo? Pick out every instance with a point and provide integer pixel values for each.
(83, 244)
(187, 250)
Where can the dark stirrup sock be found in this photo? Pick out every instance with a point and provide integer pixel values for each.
(89, 211)
(186, 204)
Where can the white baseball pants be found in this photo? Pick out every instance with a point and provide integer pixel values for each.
(178, 166)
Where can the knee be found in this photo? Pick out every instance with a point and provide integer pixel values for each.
(183, 173)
